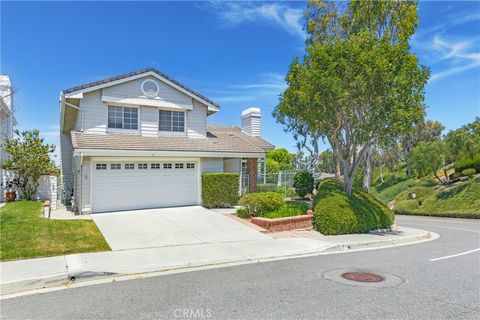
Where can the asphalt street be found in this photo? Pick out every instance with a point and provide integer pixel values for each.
(439, 279)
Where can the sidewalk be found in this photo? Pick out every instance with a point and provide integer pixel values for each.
(23, 275)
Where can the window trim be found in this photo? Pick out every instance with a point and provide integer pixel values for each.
(123, 116)
(171, 121)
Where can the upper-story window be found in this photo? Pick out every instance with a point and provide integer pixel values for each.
(122, 118)
(173, 121)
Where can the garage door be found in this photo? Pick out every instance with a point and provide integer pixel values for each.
(120, 186)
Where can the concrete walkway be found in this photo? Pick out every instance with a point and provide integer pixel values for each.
(23, 275)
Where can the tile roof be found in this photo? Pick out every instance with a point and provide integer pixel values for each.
(219, 139)
(134, 73)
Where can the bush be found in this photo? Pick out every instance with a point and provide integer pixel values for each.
(406, 206)
(288, 210)
(468, 163)
(266, 187)
(243, 213)
(337, 213)
(303, 183)
(468, 172)
(219, 189)
(258, 204)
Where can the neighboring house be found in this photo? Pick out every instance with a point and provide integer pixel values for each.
(7, 119)
(141, 140)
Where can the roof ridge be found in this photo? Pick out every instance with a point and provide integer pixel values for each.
(239, 136)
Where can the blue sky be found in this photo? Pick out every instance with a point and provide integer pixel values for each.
(236, 53)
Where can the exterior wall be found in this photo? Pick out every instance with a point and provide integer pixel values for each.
(232, 165)
(93, 117)
(66, 158)
(197, 121)
(84, 205)
(211, 165)
(167, 95)
(94, 112)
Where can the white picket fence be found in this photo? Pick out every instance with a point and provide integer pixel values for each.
(47, 188)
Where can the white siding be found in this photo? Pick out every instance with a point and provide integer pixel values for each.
(197, 121)
(66, 155)
(210, 165)
(232, 165)
(167, 95)
(94, 113)
(149, 121)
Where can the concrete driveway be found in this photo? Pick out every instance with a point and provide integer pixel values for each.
(171, 227)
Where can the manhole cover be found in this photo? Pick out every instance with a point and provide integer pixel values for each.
(362, 277)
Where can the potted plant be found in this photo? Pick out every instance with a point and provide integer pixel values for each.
(11, 187)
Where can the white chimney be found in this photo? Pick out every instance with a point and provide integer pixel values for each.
(251, 121)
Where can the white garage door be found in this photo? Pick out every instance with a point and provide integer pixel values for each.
(139, 185)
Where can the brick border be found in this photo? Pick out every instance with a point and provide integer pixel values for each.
(285, 224)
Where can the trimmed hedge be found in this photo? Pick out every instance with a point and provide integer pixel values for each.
(337, 213)
(261, 203)
(472, 215)
(303, 183)
(220, 189)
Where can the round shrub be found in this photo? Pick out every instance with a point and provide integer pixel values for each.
(337, 213)
(258, 204)
(454, 176)
(468, 172)
(266, 187)
(303, 183)
(406, 206)
(243, 213)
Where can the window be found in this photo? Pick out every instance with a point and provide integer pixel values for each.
(155, 166)
(122, 118)
(167, 166)
(173, 121)
(129, 166)
(142, 166)
(190, 165)
(150, 88)
(101, 166)
(115, 166)
(178, 165)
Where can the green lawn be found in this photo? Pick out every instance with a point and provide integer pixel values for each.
(24, 233)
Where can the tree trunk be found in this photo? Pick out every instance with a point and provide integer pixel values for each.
(347, 184)
(336, 163)
(406, 152)
(367, 173)
(438, 178)
(381, 173)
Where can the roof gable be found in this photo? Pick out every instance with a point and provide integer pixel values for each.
(77, 92)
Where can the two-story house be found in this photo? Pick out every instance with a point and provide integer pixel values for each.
(141, 140)
(7, 120)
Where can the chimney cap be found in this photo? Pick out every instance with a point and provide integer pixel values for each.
(250, 110)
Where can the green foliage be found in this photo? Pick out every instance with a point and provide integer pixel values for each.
(455, 176)
(279, 160)
(303, 183)
(30, 158)
(466, 163)
(406, 205)
(468, 172)
(243, 213)
(287, 210)
(24, 233)
(325, 162)
(464, 143)
(219, 189)
(338, 213)
(429, 157)
(266, 187)
(258, 204)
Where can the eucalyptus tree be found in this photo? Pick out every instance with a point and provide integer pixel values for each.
(357, 81)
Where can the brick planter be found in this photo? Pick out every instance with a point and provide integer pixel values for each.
(285, 224)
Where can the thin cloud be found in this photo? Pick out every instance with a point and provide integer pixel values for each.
(454, 70)
(232, 14)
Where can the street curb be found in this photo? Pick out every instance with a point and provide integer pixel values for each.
(72, 278)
